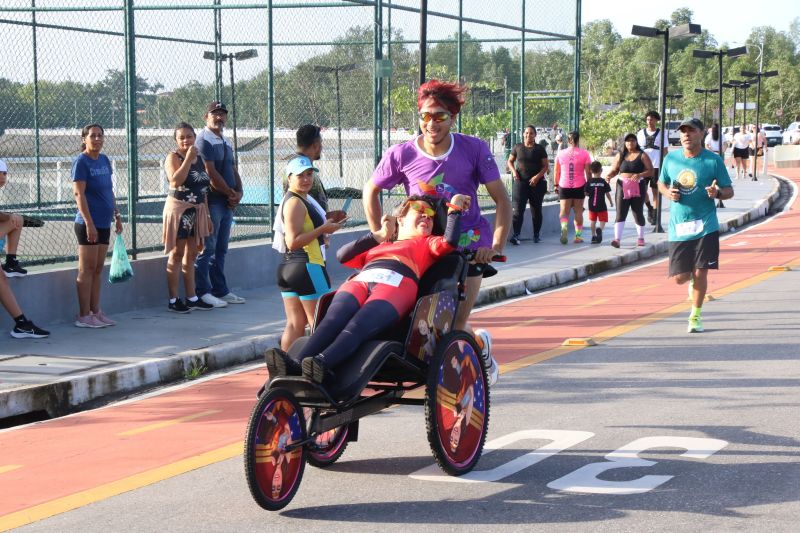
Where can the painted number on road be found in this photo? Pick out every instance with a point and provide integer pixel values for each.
(583, 480)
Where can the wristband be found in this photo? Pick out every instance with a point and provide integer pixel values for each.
(452, 206)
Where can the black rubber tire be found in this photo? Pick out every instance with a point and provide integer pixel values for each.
(440, 404)
(323, 456)
(261, 444)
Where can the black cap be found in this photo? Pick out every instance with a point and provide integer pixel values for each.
(695, 123)
(216, 106)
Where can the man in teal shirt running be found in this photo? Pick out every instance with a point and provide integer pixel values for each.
(693, 178)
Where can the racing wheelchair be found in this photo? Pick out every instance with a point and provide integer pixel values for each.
(296, 420)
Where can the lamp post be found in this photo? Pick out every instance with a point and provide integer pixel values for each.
(705, 93)
(238, 56)
(757, 76)
(672, 97)
(336, 69)
(733, 84)
(682, 30)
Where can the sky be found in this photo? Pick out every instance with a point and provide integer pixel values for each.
(728, 21)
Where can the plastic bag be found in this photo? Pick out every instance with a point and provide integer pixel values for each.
(120, 269)
(630, 189)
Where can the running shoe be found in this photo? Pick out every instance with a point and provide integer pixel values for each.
(213, 300)
(578, 240)
(563, 235)
(594, 239)
(615, 243)
(13, 269)
(88, 321)
(639, 242)
(514, 240)
(179, 307)
(28, 330)
(536, 238)
(198, 305)
(695, 325)
(599, 235)
(280, 364)
(101, 316)
(232, 299)
(486, 354)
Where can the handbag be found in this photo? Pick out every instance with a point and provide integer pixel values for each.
(121, 269)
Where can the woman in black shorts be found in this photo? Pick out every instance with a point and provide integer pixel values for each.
(633, 167)
(186, 221)
(94, 193)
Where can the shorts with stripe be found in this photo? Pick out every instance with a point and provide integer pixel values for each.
(308, 281)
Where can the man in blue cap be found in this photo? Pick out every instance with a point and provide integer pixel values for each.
(693, 178)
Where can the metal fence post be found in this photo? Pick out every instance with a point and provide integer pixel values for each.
(377, 85)
(36, 137)
(271, 120)
(130, 121)
(217, 51)
(576, 100)
(521, 115)
(459, 52)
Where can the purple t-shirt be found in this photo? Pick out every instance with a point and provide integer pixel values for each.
(461, 170)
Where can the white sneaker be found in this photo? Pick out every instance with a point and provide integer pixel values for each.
(210, 299)
(486, 353)
(233, 299)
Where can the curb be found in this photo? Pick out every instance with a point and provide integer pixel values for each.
(88, 390)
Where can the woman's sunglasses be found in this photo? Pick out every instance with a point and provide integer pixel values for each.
(422, 207)
(439, 116)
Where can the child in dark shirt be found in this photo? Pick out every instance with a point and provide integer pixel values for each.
(597, 191)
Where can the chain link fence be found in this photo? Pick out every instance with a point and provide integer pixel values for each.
(138, 68)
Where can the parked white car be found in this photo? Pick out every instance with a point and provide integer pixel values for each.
(673, 136)
(773, 133)
(791, 133)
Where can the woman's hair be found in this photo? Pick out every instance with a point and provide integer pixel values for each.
(403, 208)
(182, 126)
(573, 137)
(715, 132)
(85, 131)
(625, 150)
(448, 95)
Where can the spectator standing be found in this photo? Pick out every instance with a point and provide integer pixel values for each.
(741, 150)
(301, 276)
(24, 328)
(554, 141)
(649, 138)
(758, 149)
(224, 196)
(9, 236)
(693, 178)
(571, 174)
(93, 188)
(441, 164)
(713, 140)
(309, 144)
(598, 191)
(633, 167)
(528, 165)
(186, 221)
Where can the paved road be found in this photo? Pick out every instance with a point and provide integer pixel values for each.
(713, 415)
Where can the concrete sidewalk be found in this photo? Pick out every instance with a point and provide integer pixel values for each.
(75, 368)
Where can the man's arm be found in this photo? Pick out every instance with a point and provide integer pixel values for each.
(217, 182)
(502, 221)
(372, 205)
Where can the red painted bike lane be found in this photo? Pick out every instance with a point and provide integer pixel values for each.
(49, 461)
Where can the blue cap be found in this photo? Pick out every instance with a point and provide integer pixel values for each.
(298, 165)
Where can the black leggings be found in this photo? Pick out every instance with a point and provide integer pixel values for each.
(346, 326)
(635, 204)
(524, 194)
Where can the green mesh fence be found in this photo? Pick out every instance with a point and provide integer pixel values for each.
(138, 68)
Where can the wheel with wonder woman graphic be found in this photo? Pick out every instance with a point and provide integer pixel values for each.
(457, 403)
(274, 456)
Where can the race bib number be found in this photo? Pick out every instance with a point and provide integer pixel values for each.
(687, 229)
(380, 275)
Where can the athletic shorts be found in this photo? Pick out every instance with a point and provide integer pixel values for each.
(308, 281)
(687, 256)
(741, 153)
(571, 193)
(103, 235)
(594, 216)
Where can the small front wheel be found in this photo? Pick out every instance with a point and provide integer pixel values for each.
(457, 403)
(328, 447)
(274, 459)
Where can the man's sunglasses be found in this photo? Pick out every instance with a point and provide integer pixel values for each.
(440, 116)
(422, 207)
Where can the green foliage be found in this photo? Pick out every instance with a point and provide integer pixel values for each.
(597, 127)
(486, 126)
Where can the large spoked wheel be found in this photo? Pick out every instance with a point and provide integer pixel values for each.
(328, 447)
(273, 459)
(457, 403)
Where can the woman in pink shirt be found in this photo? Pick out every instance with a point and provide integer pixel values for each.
(572, 173)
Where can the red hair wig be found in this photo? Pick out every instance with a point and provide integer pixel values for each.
(448, 95)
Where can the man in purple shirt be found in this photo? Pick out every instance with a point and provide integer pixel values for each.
(440, 163)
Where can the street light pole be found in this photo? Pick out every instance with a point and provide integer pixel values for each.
(335, 70)
(683, 30)
(705, 93)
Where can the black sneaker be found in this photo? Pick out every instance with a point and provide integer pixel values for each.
(514, 240)
(599, 235)
(315, 370)
(179, 307)
(29, 330)
(198, 305)
(536, 238)
(13, 269)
